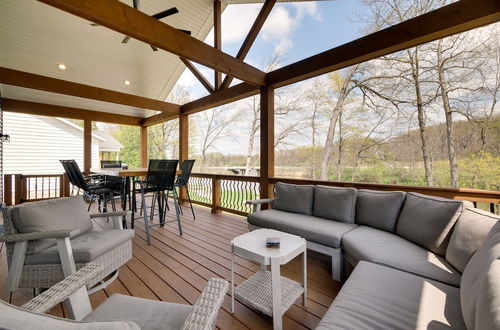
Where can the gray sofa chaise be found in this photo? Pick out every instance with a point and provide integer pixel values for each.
(415, 257)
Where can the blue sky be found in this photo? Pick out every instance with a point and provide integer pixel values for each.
(296, 30)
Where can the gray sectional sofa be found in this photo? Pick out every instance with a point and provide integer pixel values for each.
(415, 257)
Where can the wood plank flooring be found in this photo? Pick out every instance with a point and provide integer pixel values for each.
(176, 269)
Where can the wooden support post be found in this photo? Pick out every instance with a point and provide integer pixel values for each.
(7, 190)
(266, 141)
(87, 146)
(215, 195)
(217, 40)
(183, 148)
(144, 146)
(18, 188)
(65, 187)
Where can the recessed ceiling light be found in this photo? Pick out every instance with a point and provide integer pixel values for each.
(62, 67)
(126, 82)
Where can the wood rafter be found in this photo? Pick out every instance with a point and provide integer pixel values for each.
(217, 39)
(54, 85)
(251, 36)
(198, 75)
(457, 17)
(42, 109)
(125, 19)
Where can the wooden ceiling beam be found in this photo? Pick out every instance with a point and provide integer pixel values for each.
(42, 109)
(54, 85)
(122, 18)
(198, 75)
(251, 36)
(457, 17)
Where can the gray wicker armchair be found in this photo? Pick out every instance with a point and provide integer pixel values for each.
(116, 312)
(49, 240)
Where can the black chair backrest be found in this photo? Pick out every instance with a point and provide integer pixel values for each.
(161, 174)
(77, 175)
(186, 168)
(111, 163)
(69, 172)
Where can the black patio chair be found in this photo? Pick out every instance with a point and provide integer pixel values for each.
(183, 179)
(111, 163)
(92, 186)
(159, 179)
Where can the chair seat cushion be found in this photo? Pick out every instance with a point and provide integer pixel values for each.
(313, 229)
(86, 247)
(370, 244)
(12, 317)
(148, 314)
(379, 297)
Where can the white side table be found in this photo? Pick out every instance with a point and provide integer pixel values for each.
(262, 290)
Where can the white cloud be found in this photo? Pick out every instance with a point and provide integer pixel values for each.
(307, 8)
(187, 79)
(278, 26)
(236, 22)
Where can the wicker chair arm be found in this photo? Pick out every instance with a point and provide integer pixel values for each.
(39, 235)
(62, 290)
(110, 214)
(257, 203)
(207, 306)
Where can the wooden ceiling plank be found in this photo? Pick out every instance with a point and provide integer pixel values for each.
(42, 109)
(457, 17)
(129, 21)
(54, 85)
(198, 75)
(251, 36)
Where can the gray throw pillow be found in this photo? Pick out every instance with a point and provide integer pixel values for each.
(294, 198)
(379, 209)
(428, 221)
(469, 233)
(475, 277)
(55, 214)
(335, 203)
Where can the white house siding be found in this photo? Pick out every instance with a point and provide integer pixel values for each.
(37, 143)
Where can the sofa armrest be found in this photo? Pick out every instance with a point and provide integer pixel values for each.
(62, 290)
(39, 235)
(115, 216)
(256, 203)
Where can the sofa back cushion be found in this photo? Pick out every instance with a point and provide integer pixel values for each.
(469, 233)
(335, 203)
(480, 285)
(428, 221)
(379, 209)
(294, 198)
(55, 214)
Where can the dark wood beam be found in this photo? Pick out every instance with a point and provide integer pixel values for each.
(125, 19)
(266, 141)
(251, 36)
(198, 75)
(144, 146)
(217, 39)
(42, 109)
(457, 17)
(54, 85)
(87, 145)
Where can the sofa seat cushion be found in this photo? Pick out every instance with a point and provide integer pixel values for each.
(12, 317)
(370, 244)
(294, 198)
(335, 203)
(86, 247)
(148, 314)
(55, 214)
(428, 221)
(469, 233)
(313, 229)
(379, 209)
(380, 297)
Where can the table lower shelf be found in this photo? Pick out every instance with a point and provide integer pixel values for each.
(257, 292)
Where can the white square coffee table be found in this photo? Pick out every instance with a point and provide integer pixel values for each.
(262, 290)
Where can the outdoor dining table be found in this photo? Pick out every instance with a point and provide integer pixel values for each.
(129, 174)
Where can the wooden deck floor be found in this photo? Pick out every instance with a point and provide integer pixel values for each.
(176, 269)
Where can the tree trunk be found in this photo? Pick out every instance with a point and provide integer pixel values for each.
(341, 144)
(443, 86)
(421, 118)
(251, 137)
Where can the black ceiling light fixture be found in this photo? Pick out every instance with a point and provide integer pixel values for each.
(158, 16)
